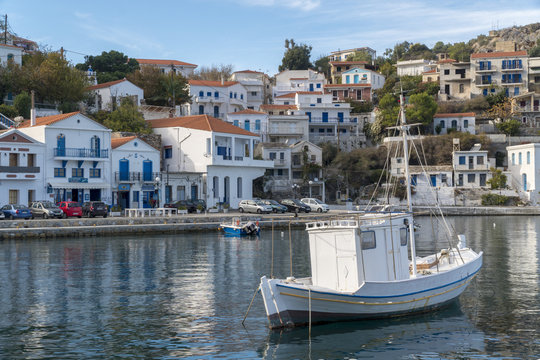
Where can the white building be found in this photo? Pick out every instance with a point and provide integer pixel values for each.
(250, 120)
(279, 178)
(286, 124)
(313, 185)
(413, 67)
(464, 122)
(21, 169)
(135, 167)
(292, 81)
(523, 165)
(166, 66)
(363, 76)
(220, 153)
(216, 98)
(109, 95)
(471, 167)
(257, 86)
(341, 55)
(10, 52)
(77, 156)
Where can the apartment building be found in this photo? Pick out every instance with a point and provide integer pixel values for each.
(216, 98)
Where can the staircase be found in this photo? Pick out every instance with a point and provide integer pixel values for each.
(6, 122)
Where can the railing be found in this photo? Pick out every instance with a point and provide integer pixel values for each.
(239, 158)
(511, 67)
(512, 82)
(316, 119)
(481, 82)
(279, 162)
(210, 99)
(81, 153)
(220, 115)
(528, 108)
(486, 68)
(135, 176)
(19, 169)
(5, 121)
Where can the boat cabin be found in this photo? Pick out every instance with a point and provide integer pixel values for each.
(370, 248)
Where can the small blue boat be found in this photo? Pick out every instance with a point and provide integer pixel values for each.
(237, 228)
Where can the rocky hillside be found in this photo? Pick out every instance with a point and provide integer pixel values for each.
(525, 38)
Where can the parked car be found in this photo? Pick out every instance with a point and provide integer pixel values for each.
(45, 209)
(190, 205)
(315, 204)
(12, 211)
(276, 207)
(2, 216)
(254, 206)
(70, 208)
(95, 208)
(295, 206)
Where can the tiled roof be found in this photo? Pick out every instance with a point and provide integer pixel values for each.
(248, 71)
(106, 85)
(286, 96)
(247, 112)
(309, 92)
(11, 46)
(446, 61)
(499, 54)
(277, 107)
(212, 83)
(199, 122)
(116, 142)
(346, 85)
(454, 115)
(163, 62)
(47, 120)
(430, 71)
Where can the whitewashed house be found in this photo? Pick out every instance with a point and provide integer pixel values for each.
(21, 169)
(109, 95)
(463, 122)
(363, 76)
(135, 167)
(167, 66)
(472, 167)
(76, 158)
(314, 184)
(292, 81)
(218, 153)
(413, 67)
(216, 98)
(250, 120)
(257, 86)
(10, 53)
(523, 165)
(286, 124)
(278, 179)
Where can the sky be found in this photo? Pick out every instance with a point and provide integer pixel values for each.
(250, 34)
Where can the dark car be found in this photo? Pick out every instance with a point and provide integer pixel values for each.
(95, 208)
(70, 208)
(12, 211)
(45, 209)
(295, 206)
(276, 207)
(190, 205)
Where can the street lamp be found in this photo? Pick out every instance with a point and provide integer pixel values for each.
(156, 188)
(310, 183)
(294, 188)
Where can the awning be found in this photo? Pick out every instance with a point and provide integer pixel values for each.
(67, 185)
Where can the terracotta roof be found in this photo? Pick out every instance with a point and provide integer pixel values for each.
(430, 71)
(199, 122)
(446, 61)
(499, 54)
(348, 62)
(286, 96)
(105, 85)
(12, 46)
(212, 83)
(248, 71)
(309, 92)
(346, 85)
(116, 142)
(248, 112)
(454, 115)
(163, 62)
(277, 107)
(47, 120)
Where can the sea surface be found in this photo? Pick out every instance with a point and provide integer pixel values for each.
(184, 296)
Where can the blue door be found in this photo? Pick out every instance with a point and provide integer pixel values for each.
(216, 111)
(61, 145)
(433, 180)
(309, 116)
(124, 170)
(340, 117)
(194, 192)
(147, 170)
(324, 117)
(524, 179)
(311, 87)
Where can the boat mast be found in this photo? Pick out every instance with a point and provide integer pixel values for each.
(404, 130)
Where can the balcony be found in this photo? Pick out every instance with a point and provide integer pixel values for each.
(81, 153)
(19, 169)
(486, 68)
(528, 108)
(135, 177)
(210, 99)
(279, 162)
(512, 68)
(510, 82)
(472, 167)
(330, 120)
(216, 115)
(484, 82)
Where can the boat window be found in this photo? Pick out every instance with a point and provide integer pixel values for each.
(403, 236)
(368, 240)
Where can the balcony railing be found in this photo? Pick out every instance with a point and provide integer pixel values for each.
(279, 162)
(219, 115)
(81, 153)
(316, 119)
(19, 169)
(135, 176)
(486, 68)
(484, 82)
(528, 108)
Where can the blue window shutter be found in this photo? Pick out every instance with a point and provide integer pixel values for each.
(147, 170)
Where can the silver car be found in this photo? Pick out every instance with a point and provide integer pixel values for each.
(254, 206)
(45, 209)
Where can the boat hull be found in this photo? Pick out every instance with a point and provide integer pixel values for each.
(238, 231)
(290, 304)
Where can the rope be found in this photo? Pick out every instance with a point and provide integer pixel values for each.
(272, 263)
(290, 247)
(251, 303)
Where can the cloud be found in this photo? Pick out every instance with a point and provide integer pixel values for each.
(303, 5)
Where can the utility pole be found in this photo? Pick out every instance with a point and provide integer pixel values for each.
(62, 53)
(5, 29)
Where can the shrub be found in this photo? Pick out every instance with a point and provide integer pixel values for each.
(494, 200)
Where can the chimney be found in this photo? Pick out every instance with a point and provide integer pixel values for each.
(33, 111)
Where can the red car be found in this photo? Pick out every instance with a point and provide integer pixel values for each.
(70, 208)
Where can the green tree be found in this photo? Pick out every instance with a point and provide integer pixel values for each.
(158, 87)
(213, 73)
(323, 65)
(509, 127)
(23, 104)
(360, 106)
(440, 47)
(360, 56)
(110, 66)
(8, 110)
(296, 57)
(460, 51)
(422, 108)
(127, 118)
(498, 179)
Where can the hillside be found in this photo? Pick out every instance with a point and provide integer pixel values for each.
(525, 37)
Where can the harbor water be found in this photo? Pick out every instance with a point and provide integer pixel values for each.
(184, 296)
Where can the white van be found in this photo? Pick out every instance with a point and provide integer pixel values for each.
(315, 204)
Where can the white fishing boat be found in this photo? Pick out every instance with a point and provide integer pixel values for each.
(360, 268)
